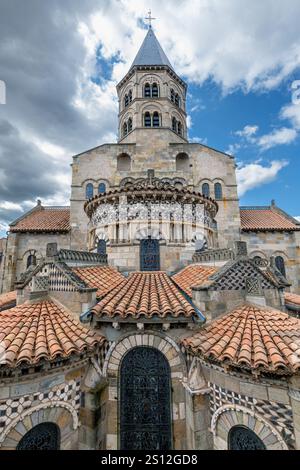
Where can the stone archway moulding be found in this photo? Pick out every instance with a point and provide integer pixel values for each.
(233, 410)
(166, 345)
(42, 406)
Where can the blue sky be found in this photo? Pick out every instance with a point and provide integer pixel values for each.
(61, 61)
(217, 120)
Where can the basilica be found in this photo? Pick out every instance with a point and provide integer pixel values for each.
(154, 312)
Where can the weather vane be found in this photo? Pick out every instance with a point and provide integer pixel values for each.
(149, 18)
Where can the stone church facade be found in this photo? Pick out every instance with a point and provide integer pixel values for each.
(154, 312)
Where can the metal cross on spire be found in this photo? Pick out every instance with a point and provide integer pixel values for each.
(149, 18)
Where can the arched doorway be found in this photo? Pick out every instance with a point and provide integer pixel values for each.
(149, 255)
(43, 436)
(243, 438)
(145, 404)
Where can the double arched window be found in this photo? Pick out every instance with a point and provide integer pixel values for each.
(176, 126)
(151, 91)
(280, 265)
(101, 188)
(218, 191)
(89, 191)
(175, 98)
(151, 120)
(127, 127)
(205, 190)
(128, 98)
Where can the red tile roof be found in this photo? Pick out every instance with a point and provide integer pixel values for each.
(265, 219)
(7, 299)
(292, 299)
(145, 295)
(105, 278)
(44, 219)
(193, 275)
(253, 338)
(42, 330)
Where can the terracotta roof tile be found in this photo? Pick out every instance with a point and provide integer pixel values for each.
(251, 337)
(193, 275)
(292, 299)
(8, 299)
(45, 219)
(145, 295)
(265, 219)
(43, 330)
(105, 278)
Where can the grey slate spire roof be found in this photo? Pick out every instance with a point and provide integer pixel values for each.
(151, 52)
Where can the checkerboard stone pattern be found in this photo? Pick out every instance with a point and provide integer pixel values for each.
(279, 415)
(14, 408)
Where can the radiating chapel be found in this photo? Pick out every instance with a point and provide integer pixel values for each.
(154, 312)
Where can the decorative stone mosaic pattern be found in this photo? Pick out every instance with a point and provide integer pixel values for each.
(14, 408)
(279, 415)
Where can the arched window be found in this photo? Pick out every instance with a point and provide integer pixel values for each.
(280, 265)
(218, 191)
(129, 126)
(31, 261)
(147, 119)
(147, 91)
(149, 255)
(43, 436)
(154, 90)
(172, 95)
(124, 129)
(155, 119)
(130, 96)
(179, 130)
(101, 247)
(174, 124)
(89, 191)
(126, 100)
(242, 438)
(123, 162)
(177, 99)
(101, 188)
(145, 400)
(182, 162)
(205, 190)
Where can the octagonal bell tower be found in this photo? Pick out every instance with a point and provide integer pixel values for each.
(152, 99)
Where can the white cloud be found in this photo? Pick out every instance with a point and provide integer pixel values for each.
(198, 140)
(10, 206)
(189, 121)
(280, 136)
(253, 175)
(297, 218)
(233, 149)
(53, 107)
(247, 132)
(250, 49)
(292, 112)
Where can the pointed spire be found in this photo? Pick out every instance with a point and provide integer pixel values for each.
(151, 52)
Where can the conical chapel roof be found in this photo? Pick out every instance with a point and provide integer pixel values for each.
(151, 52)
